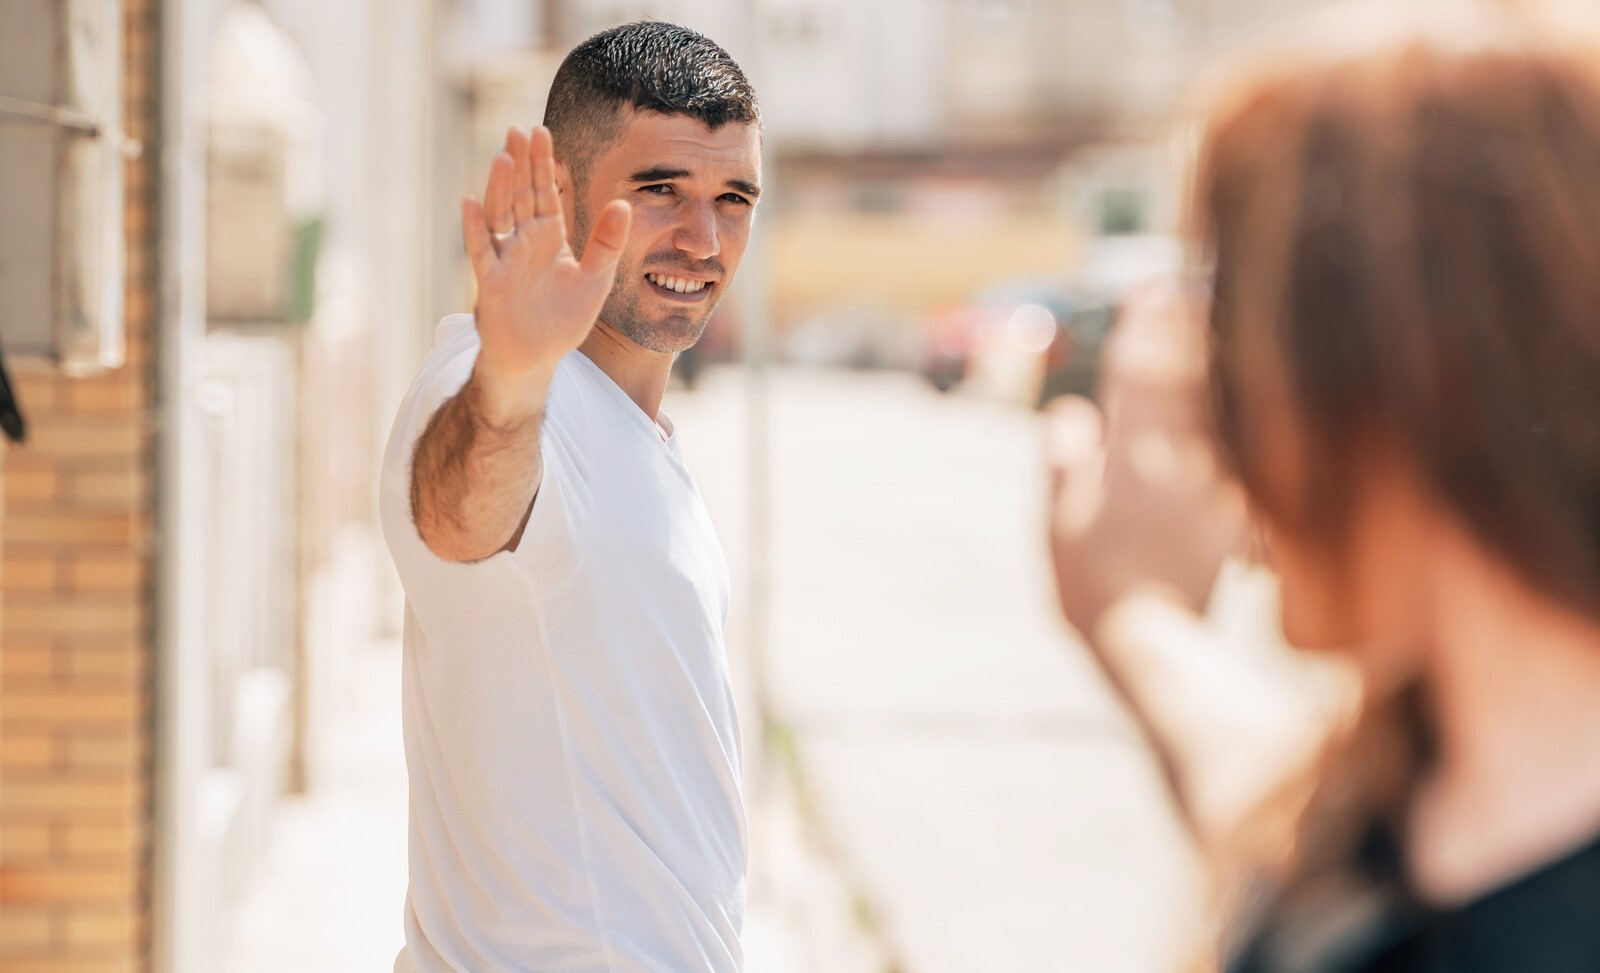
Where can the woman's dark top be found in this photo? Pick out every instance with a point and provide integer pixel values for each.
(1367, 921)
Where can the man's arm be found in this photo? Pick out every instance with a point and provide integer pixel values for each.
(475, 473)
(476, 466)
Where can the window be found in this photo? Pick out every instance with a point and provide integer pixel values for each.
(1122, 212)
(62, 152)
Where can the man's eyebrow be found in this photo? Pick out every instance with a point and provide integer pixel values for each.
(658, 174)
(666, 173)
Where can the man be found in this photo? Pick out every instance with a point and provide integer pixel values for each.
(569, 726)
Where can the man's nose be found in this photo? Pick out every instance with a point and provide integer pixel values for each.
(697, 233)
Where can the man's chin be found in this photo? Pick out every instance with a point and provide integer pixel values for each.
(669, 336)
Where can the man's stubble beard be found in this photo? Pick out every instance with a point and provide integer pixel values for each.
(676, 332)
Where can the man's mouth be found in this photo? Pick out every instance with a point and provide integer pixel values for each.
(678, 285)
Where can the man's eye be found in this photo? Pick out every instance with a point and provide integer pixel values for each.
(735, 198)
(657, 189)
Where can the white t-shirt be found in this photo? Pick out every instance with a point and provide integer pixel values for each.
(569, 727)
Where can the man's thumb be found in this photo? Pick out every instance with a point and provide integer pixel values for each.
(609, 236)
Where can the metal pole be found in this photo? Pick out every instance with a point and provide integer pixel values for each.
(757, 354)
(756, 345)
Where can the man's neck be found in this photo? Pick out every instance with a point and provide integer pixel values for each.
(639, 372)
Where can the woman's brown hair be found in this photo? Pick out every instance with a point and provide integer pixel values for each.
(1405, 241)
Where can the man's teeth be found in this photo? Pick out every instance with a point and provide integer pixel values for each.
(678, 284)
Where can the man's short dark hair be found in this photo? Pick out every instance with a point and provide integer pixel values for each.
(647, 66)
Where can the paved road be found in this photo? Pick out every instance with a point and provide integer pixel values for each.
(962, 754)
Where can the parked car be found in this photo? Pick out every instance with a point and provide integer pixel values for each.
(1112, 268)
(1013, 320)
(951, 335)
(1043, 334)
(1072, 361)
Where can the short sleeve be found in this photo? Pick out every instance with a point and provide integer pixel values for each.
(547, 551)
(434, 587)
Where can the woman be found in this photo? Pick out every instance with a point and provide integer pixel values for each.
(1404, 242)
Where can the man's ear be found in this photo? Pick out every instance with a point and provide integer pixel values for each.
(563, 179)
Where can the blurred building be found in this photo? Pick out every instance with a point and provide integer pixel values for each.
(224, 243)
(78, 281)
(928, 148)
(923, 149)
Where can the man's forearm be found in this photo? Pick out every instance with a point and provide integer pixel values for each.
(476, 468)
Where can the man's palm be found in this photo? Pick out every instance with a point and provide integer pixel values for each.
(536, 300)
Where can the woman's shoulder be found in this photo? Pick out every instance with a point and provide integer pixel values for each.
(1547, 921)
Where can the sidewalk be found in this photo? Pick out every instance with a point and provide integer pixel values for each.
(330, 893)
(962, 753)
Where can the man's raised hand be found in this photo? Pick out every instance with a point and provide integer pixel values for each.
(477, 468)
(536, 300)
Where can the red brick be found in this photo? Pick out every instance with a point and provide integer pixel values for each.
(115, 393)
(129, 641)
(75, 528)
(69, 617)
(56, 883)
(74, 653)
(100, 928)
(29, 658)
(138, 47)
(113, 570)
(66, 796)
(124, 752)
(75, 964)
(19, 574)
(35, 387)
(136, 356)
(24, 840)
(118, 437)
(23, 461)
(25, 930)
(123, 489)
(28, 486)
(139, 306)
(121, 666)
(136, 222)
(72, 706)
(102, 840)
(32, 751)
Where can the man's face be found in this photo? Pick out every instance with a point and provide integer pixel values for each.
(693, 193)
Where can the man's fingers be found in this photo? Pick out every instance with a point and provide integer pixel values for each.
(475, 234)
(522, 205)
(606, 240)
(497, 199)
(546, 197)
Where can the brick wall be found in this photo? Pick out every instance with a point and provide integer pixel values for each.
(75, 624)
